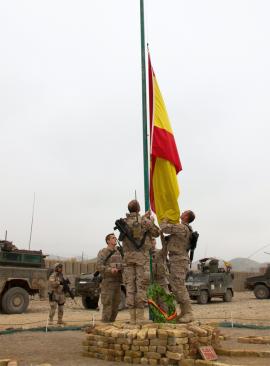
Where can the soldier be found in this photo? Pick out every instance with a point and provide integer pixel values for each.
(178, 246)
(136, 258)
(56, 294)
(159, 265)
(109, 264)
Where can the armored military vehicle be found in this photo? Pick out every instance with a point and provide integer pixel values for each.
(22, 273)
(87, 286)
(260, 285)
(211, 280)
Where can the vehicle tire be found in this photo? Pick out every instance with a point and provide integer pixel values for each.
(228, 296)
(15, 300)
(203, 297)
(89, 303)
(261, 292)
(122, 304)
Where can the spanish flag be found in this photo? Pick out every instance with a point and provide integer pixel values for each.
(164, 159)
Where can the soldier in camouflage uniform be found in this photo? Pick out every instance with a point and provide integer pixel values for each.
(56, 294)
(136, 261)
(178, 246)
(109, 264)
(160, 270)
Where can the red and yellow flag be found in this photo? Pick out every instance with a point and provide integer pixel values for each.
(165, 162)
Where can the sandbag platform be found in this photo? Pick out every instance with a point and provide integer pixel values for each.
(148, 344)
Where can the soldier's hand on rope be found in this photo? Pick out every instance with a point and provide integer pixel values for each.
(148, 214)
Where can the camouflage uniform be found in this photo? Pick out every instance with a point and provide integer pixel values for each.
(178, 246)
(136, 261)
(111, 283)
(57, 296)
(159, 268)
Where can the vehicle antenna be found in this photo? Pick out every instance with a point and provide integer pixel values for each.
(31, 229)
(258, 250)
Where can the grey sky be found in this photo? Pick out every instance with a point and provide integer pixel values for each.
(70, 118)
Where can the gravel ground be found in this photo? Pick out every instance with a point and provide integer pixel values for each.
(64, 348)
(244, 308)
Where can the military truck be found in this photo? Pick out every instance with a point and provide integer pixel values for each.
(22, 273)
(87, 285)
(211, 280)
(260, 285)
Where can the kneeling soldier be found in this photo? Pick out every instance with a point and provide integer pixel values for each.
(160, 270)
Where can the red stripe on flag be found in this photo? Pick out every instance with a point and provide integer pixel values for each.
(152, 196)
(151, 94)
(164, 146)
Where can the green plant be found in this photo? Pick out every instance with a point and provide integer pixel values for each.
(156, 295)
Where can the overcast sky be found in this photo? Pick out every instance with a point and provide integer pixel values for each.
(71, 125)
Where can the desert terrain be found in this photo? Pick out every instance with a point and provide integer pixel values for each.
(64, 347)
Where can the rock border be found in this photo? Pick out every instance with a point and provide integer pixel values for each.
(241, 352)
(254, 340)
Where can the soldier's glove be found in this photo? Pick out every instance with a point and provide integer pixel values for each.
(147, 214)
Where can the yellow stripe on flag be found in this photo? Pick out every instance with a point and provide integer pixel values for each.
(166, 191)
(161, 118)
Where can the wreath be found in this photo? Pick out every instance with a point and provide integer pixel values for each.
(161, 305)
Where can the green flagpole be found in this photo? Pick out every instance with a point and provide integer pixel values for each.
(144, 112)
(144, 125)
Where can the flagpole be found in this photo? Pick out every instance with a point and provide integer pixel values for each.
(144, 125)
(144, 111)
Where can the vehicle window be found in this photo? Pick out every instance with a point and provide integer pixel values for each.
(197, 277)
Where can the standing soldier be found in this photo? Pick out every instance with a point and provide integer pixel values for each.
(56, 293)
(160, 270)
(136, 235)
(109, 264)
(178, 247)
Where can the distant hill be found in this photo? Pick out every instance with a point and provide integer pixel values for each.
(246, 265)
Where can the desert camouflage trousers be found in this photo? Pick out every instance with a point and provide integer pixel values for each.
(177, 278)
(163, 284)
(53, 306)
(136, 278)
(110, 299)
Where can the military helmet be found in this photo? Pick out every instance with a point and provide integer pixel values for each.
(58, 265)
(134, 206)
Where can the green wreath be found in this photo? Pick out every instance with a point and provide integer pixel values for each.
(161, 305)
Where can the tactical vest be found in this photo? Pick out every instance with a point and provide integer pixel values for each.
(137, 226)
(179, 244)
(114, 261)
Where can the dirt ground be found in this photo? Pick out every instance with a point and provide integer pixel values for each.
(244, 308)
(64, 348)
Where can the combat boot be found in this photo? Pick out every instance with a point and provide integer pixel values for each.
(132, 315)
(186, 315)
(50, 321)
(60, 321)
